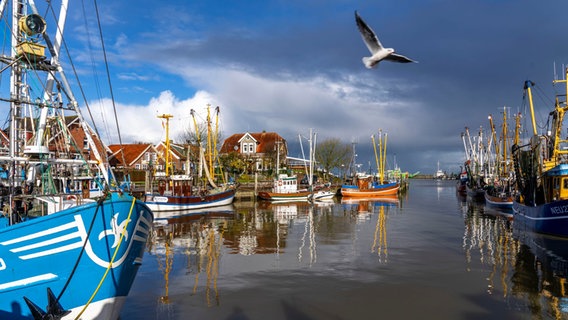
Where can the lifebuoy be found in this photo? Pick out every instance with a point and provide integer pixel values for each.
(279, 182)
(71, 197)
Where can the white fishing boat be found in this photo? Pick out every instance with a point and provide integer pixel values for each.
(180, 191)
(285, 186)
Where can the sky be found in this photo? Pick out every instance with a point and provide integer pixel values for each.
(291, 66)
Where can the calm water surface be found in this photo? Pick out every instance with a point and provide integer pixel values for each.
(429, 254)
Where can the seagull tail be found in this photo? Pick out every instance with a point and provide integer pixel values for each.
(368, 63)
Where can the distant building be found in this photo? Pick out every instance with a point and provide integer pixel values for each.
(138, 156)
(261, 149)
(145, 156)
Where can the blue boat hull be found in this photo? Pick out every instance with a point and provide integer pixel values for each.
(550, 218)
(81, 254)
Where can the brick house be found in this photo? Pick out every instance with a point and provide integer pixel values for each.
(258, 148)
(138, 156)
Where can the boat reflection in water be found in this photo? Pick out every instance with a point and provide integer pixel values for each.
(365, 209)
(522, 265)
(197, 241)
(195, 236)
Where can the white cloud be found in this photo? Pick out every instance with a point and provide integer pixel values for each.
(248, 102)
(140, 123)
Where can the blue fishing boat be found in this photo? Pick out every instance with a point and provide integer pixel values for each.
(79, 261)
(66, 252)
(541, 169)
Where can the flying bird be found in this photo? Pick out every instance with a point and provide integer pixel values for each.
(378, 52)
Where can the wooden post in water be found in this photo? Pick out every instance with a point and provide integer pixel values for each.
(255, 185)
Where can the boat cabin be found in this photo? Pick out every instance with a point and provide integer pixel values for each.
(285, 184)
(555, 182)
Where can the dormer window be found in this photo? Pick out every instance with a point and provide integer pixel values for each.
(248, 147)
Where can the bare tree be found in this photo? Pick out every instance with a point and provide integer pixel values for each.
(331, 154)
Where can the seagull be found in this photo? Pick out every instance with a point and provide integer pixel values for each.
(379, 53)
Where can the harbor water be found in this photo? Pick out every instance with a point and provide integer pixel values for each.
(429, 253)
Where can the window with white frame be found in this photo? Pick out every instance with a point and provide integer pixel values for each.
(251, 147)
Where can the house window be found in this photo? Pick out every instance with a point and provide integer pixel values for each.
(245, 148)
(251, 147)
(137, 166)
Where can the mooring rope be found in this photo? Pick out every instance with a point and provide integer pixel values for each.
(110, 262)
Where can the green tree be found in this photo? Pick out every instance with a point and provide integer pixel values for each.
(331, 154)
(233, 162)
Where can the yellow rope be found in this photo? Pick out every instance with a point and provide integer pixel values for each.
(110, 263)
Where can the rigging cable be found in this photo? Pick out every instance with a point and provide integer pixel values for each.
(109, 81)
(93, 67)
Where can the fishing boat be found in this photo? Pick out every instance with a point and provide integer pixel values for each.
(498, 197)
(64, 253)
(181, 191)
(366, 186)
(285, 186)
(461, 185)
(541, 168)
(474, 165)
(500, 191)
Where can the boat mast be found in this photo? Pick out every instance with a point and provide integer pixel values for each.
(209, 142)
(278, 142)
(558, 119)
(215, 140)
(168, 165)
(313, 139)
(496, 144)
(528, 85)
(506, 161)
(376, 155)
(198, 141)
(467, 156)
(50, 78)
(381, 163)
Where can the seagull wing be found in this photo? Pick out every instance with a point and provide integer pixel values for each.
(368, 35)
(395, 57)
